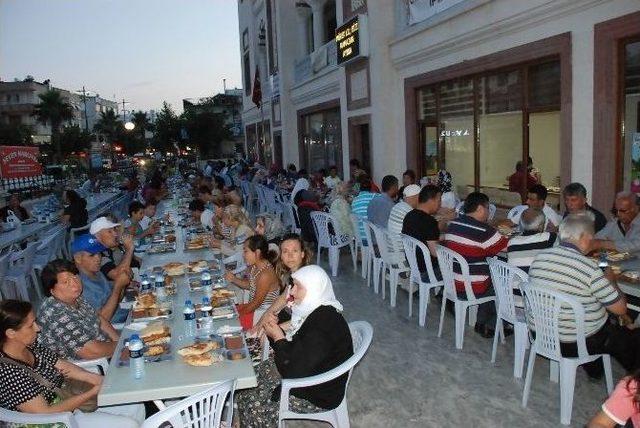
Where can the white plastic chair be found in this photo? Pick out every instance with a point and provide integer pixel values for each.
(446, 259)
(29, 419)
(201, 410)
(262, 199)
(361, 334)
(20, 271)
(411, 247)
(364, 249)
(546, 306)
(96, 365)
(331, 241)
(390, 265)
(505, 278)
(4, 266)
(45, 252)
(377, 263)
(289, 217)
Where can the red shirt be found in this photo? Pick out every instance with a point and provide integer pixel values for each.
(516, 180)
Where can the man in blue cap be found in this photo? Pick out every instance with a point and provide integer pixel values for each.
(103, 295)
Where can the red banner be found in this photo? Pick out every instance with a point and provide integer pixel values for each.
(19, 162)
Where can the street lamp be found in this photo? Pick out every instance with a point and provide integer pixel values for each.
(129, 126)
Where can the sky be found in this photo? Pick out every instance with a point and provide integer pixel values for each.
(145, 51)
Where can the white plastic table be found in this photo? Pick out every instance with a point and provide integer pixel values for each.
(97, 202)
(172, 379)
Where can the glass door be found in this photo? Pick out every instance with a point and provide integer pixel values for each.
(629, 150)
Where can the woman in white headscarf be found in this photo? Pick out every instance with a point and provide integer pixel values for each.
(316, 340)
(301, 184)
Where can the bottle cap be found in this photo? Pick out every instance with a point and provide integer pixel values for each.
(187, 302)
(134, 337)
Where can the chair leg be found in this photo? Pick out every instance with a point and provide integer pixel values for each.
(527, 381)
(334, 260)
(410, 297)
(442, 309)
(494, 348)
(606, 362)
(364, 255)
(461, 314)
(383, 282)
(342, 416)
(567, 385)
(423, 295)
(521, 339)
(354, 255)
(473, 315)
(376, 276)
(554, 371)
(393, 287)
(318, 257)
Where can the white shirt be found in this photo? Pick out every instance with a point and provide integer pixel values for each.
(331, 182)
(206, 218)
(552, 216)
(145, 223)
(449, 200)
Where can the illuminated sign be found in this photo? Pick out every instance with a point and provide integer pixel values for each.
(351, 39)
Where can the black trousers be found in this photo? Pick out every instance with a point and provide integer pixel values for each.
(596, 344)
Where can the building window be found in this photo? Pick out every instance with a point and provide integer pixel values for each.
(321, 140)
(330, 24)
(246, 63)
(309, 28)
(630, 126)
(479, 127)
(272, 36)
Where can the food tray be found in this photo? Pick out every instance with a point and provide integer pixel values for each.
(167, 247)
(164, 313)
(616, 257)
(237, 354)
(195, 284)
(123, 360)
(224, 312)
(632, 277)
(218, 340)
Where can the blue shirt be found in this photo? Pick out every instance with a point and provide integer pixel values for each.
(379, 210)
(96, 292)
(359, 208)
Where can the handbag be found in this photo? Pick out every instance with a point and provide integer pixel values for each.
(70, 387)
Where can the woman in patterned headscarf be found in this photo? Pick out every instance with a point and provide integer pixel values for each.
(449, 198)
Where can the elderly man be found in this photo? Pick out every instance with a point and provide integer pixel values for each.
(623, 232)
(380, 207)
(97, 290)
(575, 199)
(537, 199)
(474, 239)
(523, 248)
(565, 268)
(397, 216)
(116, 259)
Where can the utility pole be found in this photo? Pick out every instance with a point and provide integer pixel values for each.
(123, 114)
(86, 119)
(224, 86)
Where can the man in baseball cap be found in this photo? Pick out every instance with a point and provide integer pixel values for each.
(97, 290)
(116, 259)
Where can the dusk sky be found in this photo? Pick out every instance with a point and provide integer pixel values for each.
(145, 51)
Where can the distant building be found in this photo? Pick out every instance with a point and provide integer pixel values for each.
(19, 98)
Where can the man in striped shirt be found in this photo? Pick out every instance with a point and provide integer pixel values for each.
(396, 220)
(475, 240)
(360, 203)
(523, 248)
(566, 269)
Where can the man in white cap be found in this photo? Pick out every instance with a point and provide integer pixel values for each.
(112, 265)
(397, 215)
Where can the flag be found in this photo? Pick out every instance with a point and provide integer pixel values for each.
(256, 95)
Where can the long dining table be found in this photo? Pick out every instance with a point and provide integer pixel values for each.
(172, 378)
(96, 203)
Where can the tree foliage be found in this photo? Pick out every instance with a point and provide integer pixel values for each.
(74, 139)
(54, 110)
(109, 125)
(205, 128)
(12, 134)
(167, 129)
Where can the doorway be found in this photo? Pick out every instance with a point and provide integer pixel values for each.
(360, 141)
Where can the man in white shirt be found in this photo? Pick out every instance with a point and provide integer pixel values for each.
(201, 214)
(536, 198)
(332, 180)
(149, 213)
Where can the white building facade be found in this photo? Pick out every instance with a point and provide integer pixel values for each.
(471, 86)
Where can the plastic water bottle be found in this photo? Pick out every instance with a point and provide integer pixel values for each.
(136, 356)
(161, 292)
(189, 313)
(205, 280)
(145, 285)
(206, 323)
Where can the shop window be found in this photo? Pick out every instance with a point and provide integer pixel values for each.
(544, 86)
(456, 130)
(500, 127)
(630, 126)
(322, 143)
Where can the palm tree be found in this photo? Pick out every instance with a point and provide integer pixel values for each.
(109, 124)
(142, 123)
(55, 110)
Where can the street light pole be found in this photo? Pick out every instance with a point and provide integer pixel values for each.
(86, 119)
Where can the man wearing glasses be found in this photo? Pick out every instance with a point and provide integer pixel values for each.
(622, 233)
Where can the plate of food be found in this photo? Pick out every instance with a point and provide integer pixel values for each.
(163, 247)
(223, 312)
(630, 276)
(174, 269)
(618, 256)
(146, 308)
(198, 266)
(197, 243)
(202, 353)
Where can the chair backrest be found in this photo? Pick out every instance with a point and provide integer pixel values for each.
(290, 217)
(447, 258)
(30, 419)
(504, 278)
(356, 223)
(382, 239)
(47, 246)
(321, 222)
(543, 306)
(371, 240)
(25, 257)
(413, 249)
(515, 212)
(201, 410)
